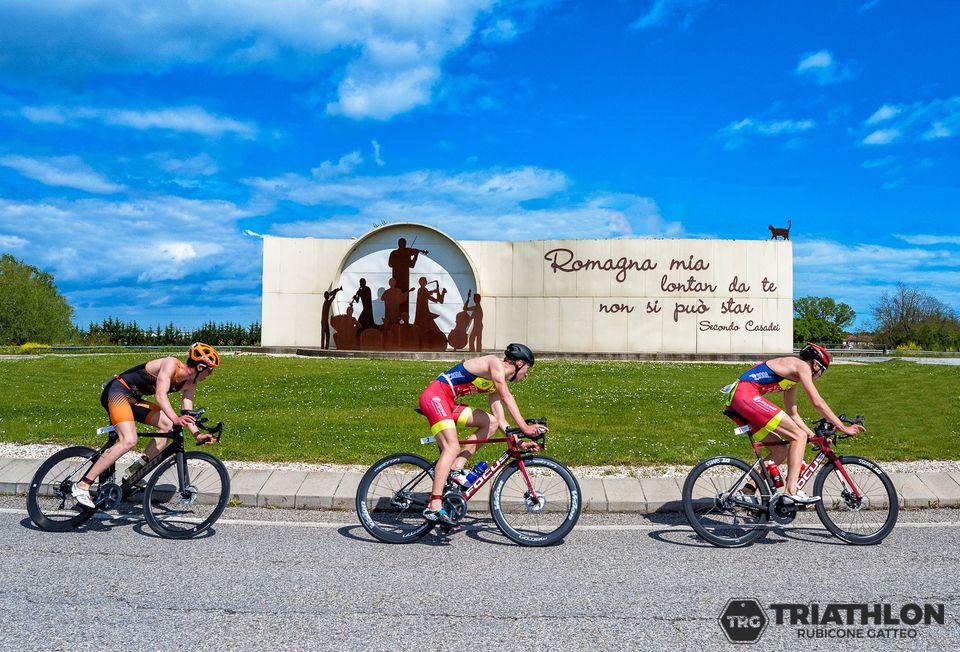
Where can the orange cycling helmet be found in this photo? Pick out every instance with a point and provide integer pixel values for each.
(816, 352)
(201, 353)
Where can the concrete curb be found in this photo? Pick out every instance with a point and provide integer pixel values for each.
(289, 489)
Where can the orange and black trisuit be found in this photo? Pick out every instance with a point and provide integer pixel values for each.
(122, 396)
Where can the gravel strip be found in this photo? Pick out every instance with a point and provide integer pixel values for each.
(42, 451)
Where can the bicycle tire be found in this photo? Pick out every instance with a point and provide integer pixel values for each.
(526, 522)
(391, 498)
(840, 511)
(49, 492)
(708, 506)
(176, 514)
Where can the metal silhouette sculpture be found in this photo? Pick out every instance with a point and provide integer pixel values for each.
(402, 330)
(365, 297)
(476, 332)
(325, 317)
(776, 232)
(401, 261)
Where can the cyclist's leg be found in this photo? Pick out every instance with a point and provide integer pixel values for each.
(441, 413)
(449, 449)
(485, 426)
(119, 405)
(788, 429)
(152, 415)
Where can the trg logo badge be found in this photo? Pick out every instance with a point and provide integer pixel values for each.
(743, 620)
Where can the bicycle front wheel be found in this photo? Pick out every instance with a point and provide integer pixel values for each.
(49, 503)
(537, 505)
(178, 508)
(717, 508)
(865, 519)
(392, 496)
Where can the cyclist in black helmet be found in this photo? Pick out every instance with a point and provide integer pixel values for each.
(487, 374)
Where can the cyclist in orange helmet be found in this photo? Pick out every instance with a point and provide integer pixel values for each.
(122, 398)
(770, 424)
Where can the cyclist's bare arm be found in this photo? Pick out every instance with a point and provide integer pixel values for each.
(790, 407)
(802, 370)
(506, 397)
(168, 367)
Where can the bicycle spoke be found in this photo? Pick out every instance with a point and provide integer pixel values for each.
(866, 518)
(717, 506)
(392, 496)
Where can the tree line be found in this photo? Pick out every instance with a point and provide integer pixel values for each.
(905, 318)
(33, 310)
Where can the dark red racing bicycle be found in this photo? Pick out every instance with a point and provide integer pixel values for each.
(858, 501)
(534, 499)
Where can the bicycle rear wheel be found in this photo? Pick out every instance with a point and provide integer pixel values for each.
(715, 510)
(392, 496)
(49, 503)
(176, 511)
(865, 520)
(535, 520)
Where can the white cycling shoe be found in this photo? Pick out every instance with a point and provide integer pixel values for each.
(800, 498)
(82, 496)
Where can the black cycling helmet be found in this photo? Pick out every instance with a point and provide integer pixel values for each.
(519, 352)
(818, 353)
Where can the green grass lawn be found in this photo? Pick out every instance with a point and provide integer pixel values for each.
(356, 411)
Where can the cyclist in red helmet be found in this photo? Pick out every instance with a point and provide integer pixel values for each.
(122, 398)
(487, 374)
(770, 423)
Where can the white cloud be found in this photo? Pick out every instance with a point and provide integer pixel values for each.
(938, 119)
(12, 241)
(822, 68)
(202, 164)
(736, 133)
(879, 162)
(189, 119)
(881, 137)
(662, 11)
(885, 112)
(921, 240)
(501, 31)
(858, 273)
(376, 153)
(382, 95)
(485, 204)
(62, 171)
(393, 50)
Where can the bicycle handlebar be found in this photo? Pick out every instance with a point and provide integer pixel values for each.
(541, 438)
(826, 429)
(200, 421)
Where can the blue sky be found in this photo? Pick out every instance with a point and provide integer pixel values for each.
(143, 151)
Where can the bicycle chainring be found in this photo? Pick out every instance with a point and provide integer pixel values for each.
(108, 495)
(781, 512)
(456, 505)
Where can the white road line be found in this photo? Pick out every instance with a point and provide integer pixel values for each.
(599, 528)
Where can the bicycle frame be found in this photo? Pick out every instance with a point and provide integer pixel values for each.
(824, 451)
(512, 453)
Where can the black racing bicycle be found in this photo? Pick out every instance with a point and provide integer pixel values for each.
(184, 492)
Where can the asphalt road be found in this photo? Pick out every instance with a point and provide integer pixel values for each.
(278, 579)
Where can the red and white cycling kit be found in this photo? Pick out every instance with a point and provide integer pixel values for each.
(438, 400)
(745, 396)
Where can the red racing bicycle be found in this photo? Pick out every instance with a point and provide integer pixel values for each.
(534, 499)
(730, 503)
